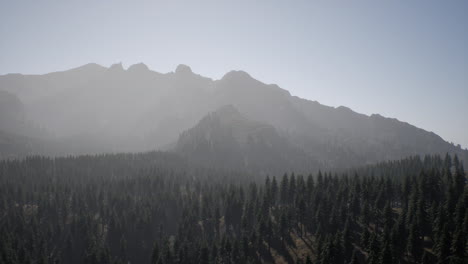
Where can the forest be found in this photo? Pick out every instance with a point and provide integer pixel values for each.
(155, 208)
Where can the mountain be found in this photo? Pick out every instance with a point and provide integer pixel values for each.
(227, 139)
(12, 114)
(18, 135)
(95, 109)
(14, 146)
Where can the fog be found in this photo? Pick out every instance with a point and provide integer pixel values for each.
(96, 109)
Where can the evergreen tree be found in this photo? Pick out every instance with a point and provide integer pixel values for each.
(386, 256)
(426, 259)
(354, 258)
(274, 191)
(443, 246)
(155, 254)
(107, 209)
(284, 191)
(204, 255)
(374, 250)
(415, 246)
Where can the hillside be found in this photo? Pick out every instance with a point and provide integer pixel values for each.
(155, 208)
(227, 139)
(99, 109)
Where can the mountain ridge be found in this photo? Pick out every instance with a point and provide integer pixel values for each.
(137, 109)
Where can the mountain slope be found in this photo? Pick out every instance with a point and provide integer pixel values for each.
(137, 109)
(227, 139)
(369, 138)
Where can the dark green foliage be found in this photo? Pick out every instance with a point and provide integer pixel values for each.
(150, 208)
(155, 254)
(386, 256)
(354, 258)
(443, 245)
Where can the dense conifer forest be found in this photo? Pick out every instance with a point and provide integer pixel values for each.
(154, 208)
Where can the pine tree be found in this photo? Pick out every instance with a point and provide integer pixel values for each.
(365, 236)
(459, 180)
(426, 259)
(310, 184)
(155, 254)
(274, 191)
(292, 188)
(387, 215)
(284, 191)
(329, 252)
(204, 255)
(459, 244)
(123, 249)
(448, 161)
(354, 258)
(301, 214)
(386, 256)
(346, 239)
(365, 214)
(374, 249)
(443, 246)
(214, 253)
(415, 241)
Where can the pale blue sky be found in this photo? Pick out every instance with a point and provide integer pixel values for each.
(402, 59)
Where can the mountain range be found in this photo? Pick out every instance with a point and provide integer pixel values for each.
(234, 122)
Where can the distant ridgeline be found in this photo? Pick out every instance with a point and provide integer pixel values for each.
(155, 208)
(231, 123)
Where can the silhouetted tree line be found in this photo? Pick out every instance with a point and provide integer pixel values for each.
(153, 208)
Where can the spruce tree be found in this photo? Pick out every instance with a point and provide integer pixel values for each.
(386, 256)
(354, 258)
(155, 254)
(443, 245)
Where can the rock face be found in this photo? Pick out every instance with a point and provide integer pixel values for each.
(94, 109)
(227, 139)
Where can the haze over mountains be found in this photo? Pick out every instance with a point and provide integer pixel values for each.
(234, 122)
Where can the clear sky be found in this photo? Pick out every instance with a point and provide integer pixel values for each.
(402, 59)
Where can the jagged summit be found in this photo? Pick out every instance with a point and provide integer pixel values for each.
(139, 110)
(139, 67)
(183, 69)
(116, 67)
(236, 75)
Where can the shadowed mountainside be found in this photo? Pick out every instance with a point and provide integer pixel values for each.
(227, 139)
(94, 109)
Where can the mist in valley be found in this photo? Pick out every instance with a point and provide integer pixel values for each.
(303, 132)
